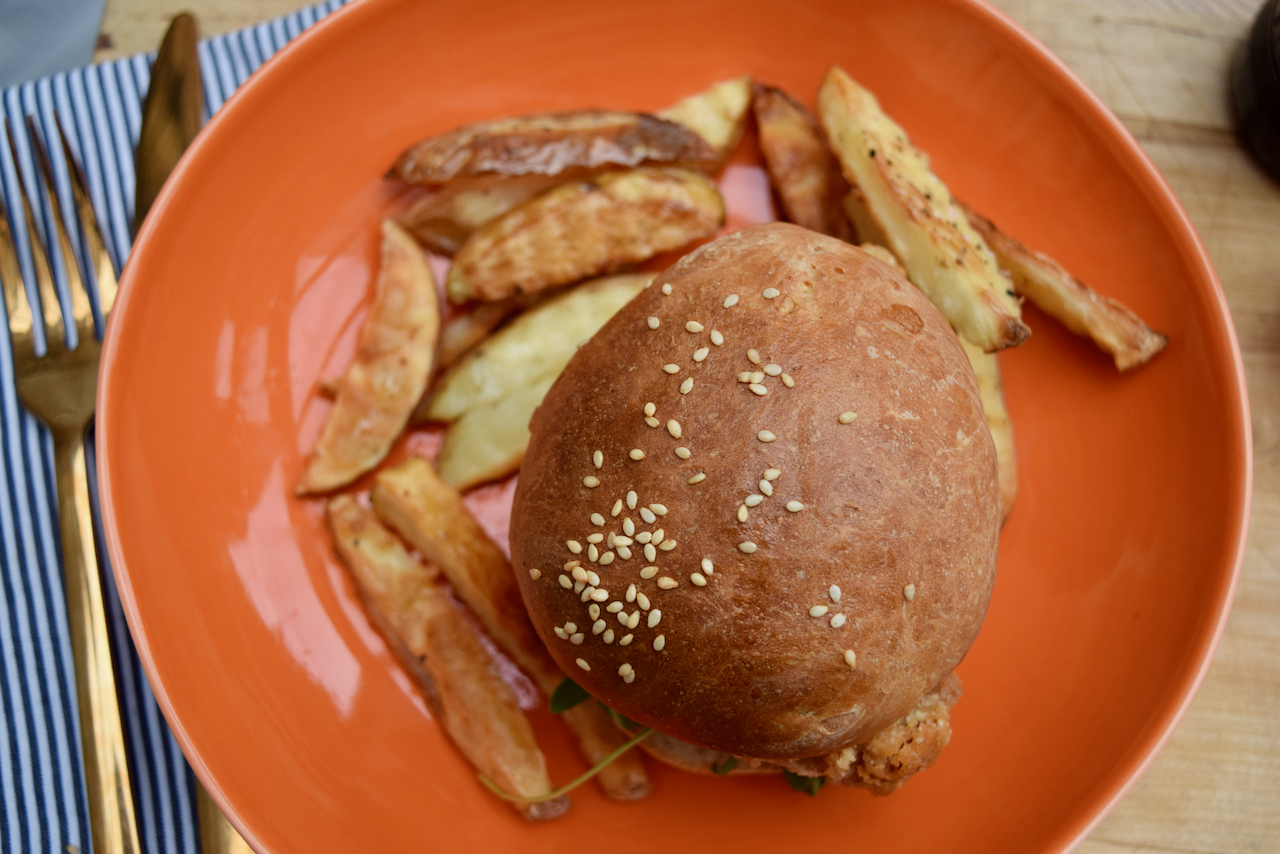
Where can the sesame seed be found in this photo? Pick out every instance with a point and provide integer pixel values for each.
(753, 500)
(671, 368)
(594, 611)
(694, 326)
(597, 520)
(650, 554)
(535, 574)
(633, 620)
(621, 541)
(600, 595)
(577, 637)
(624, 618)
(560, 633)
(788, 381)
(758, 389)
(644, 537)
(698, 579)
(648, 572)
(624, 552)
(707, 566)
(700, 354)
(631, 597)
(660, 509)
(593, 553)
(574, 546)
(617, 508)
(647, 515)
(593, 579)
(766, 487)
(643, 601)
(697, 478)
(850, 658)
(654, 323)
(570, 627)
(658, 534)
(649, 409)
(583, 664)
(607, 637)
(743, 515)
(716, 337)
(765, 436)
(666, 290)
(590, 482)
(655, 617)
(909, 591)
(651, 421)
(837, 621)
(625, 670)
(683, 453)
(744, 377)
(578, 586)
(834, 592)
(626, 640)
(731, 300)
(597, 628)
(629, 678)
(754, 356)
(579, 574)
(686, 386)
(747, 547)
(636, 454)
(659, 642)
(770, 293)
(667, 545)
(615, 606)
(757, 377)
(597, 537)
(673, 427)
(818, 611)
(773, 370)
(628, 527)
(666, 582)
(632, 498)
(795, 506)
(598, 459)
(587, 592)
(847, 417)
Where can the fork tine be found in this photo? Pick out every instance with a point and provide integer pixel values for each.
(104, 271)
(15, 290)
(54, 330)
(81, 309)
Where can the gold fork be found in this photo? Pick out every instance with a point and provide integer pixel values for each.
(58, 387)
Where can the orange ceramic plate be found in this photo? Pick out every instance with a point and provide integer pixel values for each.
(1116, 569)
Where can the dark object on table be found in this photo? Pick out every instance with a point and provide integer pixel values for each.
(1255, 87)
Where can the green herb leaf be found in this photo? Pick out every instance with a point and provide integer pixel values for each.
(567, 695)
(726, 766)
(621, 719)
(808, 785)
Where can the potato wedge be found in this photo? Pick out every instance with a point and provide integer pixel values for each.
(437, 645)
(804, 172)
(430, 515)
(534, 346)
(550, 144)
(488, 441)
(447, 215)
(585, 228)
(1112, 325)
(987, 370)
(390, 371)
(867, 229)
(941, 252)
(880, 253)
(718, 114)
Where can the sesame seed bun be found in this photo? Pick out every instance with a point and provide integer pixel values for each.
(825, 489)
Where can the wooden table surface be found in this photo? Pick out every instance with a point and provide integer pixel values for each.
(1161, 66)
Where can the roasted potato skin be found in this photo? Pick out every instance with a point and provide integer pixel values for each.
(552, 144)
(802, 168)
(585, 228)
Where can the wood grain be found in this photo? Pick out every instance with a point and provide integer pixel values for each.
(1161, 66)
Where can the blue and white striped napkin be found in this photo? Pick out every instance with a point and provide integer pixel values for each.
(42, 801)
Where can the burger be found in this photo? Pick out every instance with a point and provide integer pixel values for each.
(759, 512)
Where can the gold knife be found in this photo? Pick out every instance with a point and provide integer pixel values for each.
(171, 118)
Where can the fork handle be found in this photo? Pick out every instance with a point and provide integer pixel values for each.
(111, 813)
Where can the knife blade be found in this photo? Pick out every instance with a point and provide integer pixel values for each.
(172, 115)
(171, 112)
